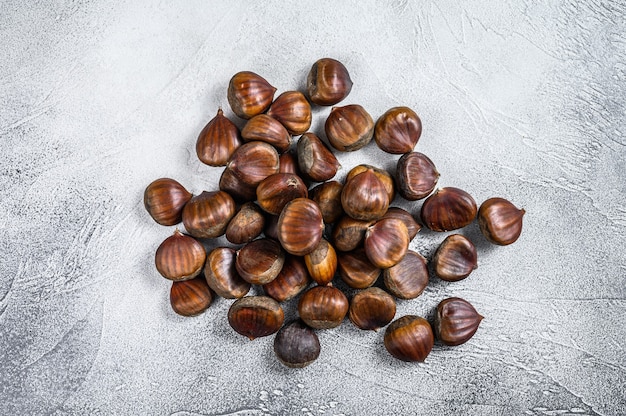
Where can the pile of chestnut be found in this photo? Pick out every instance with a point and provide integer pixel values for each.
(291, 224)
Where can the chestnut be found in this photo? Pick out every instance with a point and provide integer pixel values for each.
(322, 263)
(364, 197)
(448, 209)
(381, 174)
(235, 187)
(249, 94)
(416, 176)
(408, 278)
(246, 225)
(260, 261)
(327, 195)
(349, 233)
(256, 316)
(292, 279)
(386, 242)
(296, 345)
(349, 128)
(190, 297)
(407, 219)
(328, 82)
(221, 274)
(500, 221)
(398, 130)
(207, 215)
(288, 163)
(275, 191)
(323, 307)
(293, 111)
(455, 258)
(315, 160)
(267, 129)
(300, 226)
(456, 321)
(180, 257)
(252, 162)
(164, 199)
(218, 140)
(409, 338)
(356, 270)
(372, 308)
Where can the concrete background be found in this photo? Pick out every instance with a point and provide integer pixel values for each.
(519, 99)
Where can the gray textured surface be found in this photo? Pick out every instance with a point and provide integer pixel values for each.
(518, 99)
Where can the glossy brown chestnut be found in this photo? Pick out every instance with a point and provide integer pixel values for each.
(260, 261)
(356, 270)
(267, 129)
(328, 82)
(323, 307)
(364, 197)
(300, 226)
(372, 308)
(409, 338)
(386, 242)
(327, 195)
(456, 321)
(221, 274)
(246, 225)
(349, 233)
(180, 257)
(256, 316)
(407, 219)
(349, 128)
(416, 176)
(236, 188)
(288, 163)
(190, 297)
(500, 221)
(382, 174)
(207, 215)
(315, 160)
(292, 279)
(408, 278)
(164, 199)
(275, 191)
(322, 263)
(293, 111)
(218, 140)
(254, 161)
(296, 345)
(398, 130)
(455, 258)
(448, 209)
(249, 94)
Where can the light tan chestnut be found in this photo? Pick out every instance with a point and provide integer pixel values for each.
(300, 226)
(328, 82)
(372, 308)
(328, 197)
(293, 110)
(356, 270)
(292, 279)
(323, 307)
(256, 316)
(382, 174)
(249, 94)
(260, 261)
(349, 233)
(407, 219)
(455, 258)
(500, 221)
(207, 215)
(164, 199)
(408, 278)
(218, 140)
(315, 160)
(221, 274)
(364, 197)
(275, 191)
(349, 128)
(180, 257)
(398, 130)
(246, 225)
(322, 263)
(267, 129)
(190, 297)
(386, 242)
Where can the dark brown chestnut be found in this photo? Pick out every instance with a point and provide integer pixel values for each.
(409, 338)
(296, 345)
(271, 226)
(256, 316)
(408, 278)
(322, 263)
(500, 221)
(275, 191)
(292, 279)
(398, 130)
(386, 242)
(323, 307)
(372, 308)
(327, 195)
(356, 270)
(235, 187)
(448, 209)
(254, 161)
(293, 110)
(349, 128)
(364, 197)
(288, 163)
(249, 94)
(349, 233)
(455, 258)
(246, 225)
(416, 176)
(267, 129)
(221, 274)
(300, 226)
(207, 215)
(315, 160)
(180, 257)
(328, 82)
(164, 199)
(190, 297)
(382, 174)
(218, 140)
(456, 321)
(260, 261)
(407, 219)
